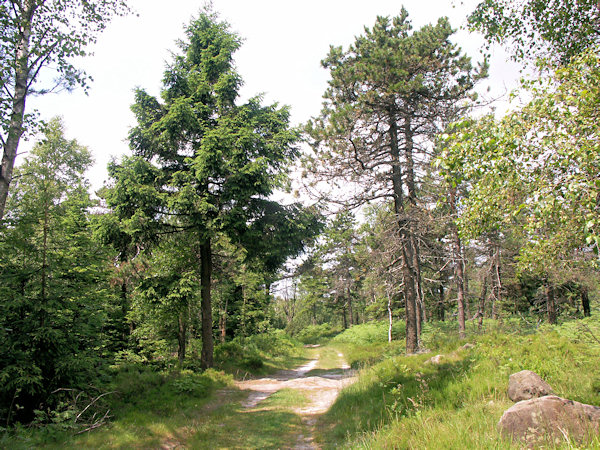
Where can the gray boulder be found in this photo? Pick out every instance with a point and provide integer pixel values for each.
(550, 420)
(526, 384)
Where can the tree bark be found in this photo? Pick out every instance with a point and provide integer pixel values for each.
(15, 129)
(496, 275)
(481, 310)
(390, 317)
(550, 304)
(406, 243)
(181, 338)
(206, 357)
(412, 200)
(458, 265)
(350, 310)
(223, 322)
(585, 301)
(440, 309)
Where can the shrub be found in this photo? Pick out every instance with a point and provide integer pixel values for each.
(316, 334)
(370, 333)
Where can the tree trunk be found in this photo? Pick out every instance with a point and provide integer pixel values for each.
(412, 200)
(481, 310)
(550, 304)
(206, 357)
(390, 317)
(44, 271)
(223, 321)
(497, 284)
(406, 243)
(465, 284)
(15, 128)
(585, 301)
(181, 338)
(458, 266)
(350, 310)
(441, 310)
(344, 317)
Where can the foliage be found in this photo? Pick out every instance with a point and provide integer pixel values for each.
(389, 93)
(536, 169)
(369, 333)
(556, 29)
(54, 289)
(259, 353)
(316, 334)
(40, 38)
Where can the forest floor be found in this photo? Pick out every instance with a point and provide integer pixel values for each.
(260, 406)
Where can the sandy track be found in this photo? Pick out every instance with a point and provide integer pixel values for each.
(322, 390)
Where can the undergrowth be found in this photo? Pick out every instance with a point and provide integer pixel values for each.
(409, 402)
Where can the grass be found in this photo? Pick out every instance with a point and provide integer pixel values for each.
(153, 405)
(398, 401)
(404, 402)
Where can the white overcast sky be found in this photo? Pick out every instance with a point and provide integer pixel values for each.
(284, 42)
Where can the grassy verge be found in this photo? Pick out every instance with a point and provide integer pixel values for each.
(405, 402)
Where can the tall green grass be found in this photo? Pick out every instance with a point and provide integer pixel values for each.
(408, 402)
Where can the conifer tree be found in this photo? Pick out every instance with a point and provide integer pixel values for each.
(389, 94)
(202, 163)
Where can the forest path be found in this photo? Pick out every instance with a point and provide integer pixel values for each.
(320, 382)
(277, 411)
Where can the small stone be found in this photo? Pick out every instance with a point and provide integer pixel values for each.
(437, 359)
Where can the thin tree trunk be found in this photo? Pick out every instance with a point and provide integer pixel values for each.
(15, 129)
(206, 357)
(458, 266)
(481, 310)
(465, 284)
(441, 309)
(497, 285)
(585, 301)
(390, 317)
(181, 338)
(550, 304)
(412, 200)
(223, 321)
(350, 310)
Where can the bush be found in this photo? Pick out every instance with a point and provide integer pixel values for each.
(316, 334)
(249, 354)
(370, 333)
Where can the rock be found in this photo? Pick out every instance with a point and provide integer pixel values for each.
(526, 384)
(437, 359)
(550, 419)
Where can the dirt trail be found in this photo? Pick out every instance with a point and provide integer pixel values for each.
(321, 389)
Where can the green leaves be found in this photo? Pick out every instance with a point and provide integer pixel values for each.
(556, 30)
(53, 276)
(536, 170)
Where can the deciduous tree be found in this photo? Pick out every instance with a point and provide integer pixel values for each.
(41, 37)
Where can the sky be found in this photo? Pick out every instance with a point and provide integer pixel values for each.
(283, 44)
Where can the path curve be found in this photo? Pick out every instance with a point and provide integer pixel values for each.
(322, 391)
